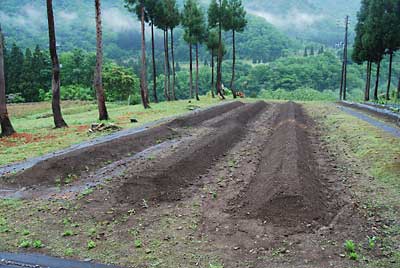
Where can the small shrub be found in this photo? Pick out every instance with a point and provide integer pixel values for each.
(76, 92)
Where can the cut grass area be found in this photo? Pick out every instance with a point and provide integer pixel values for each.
(372, 158)
(36, 135)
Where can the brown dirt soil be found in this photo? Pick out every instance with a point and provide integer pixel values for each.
(247, 186)
(80, 162)
(18, 138)
(167, 177)
(198, 117)
(281, 202)
(287, 189)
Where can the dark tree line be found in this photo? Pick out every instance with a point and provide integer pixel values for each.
(377, 36)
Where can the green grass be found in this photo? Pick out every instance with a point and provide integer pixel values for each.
(375, 156)
(36, 135)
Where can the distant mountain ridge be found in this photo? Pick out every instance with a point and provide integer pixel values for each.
(25, 23)
(313, 20)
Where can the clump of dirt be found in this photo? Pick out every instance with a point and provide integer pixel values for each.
(82, 161)
(287, 189)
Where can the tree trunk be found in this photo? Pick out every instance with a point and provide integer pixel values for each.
(154, 64)
(173, 66)
(212, 73)
(345, 79)
(166, 93)
(368, 73)
(220, 55)
(398, 90)
(345, 60)
(168, 65)
(197, 72)
(6, 126)
(233, 64)
(378, 69)
(390, 76)
(55, 104)
(341, 82)
(369, 79)
(191, 70)
(143, 73)
(98, 78)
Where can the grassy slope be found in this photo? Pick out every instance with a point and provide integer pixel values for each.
(372, 159)
(37, 137)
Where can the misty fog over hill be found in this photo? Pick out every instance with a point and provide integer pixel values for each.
(312, 20)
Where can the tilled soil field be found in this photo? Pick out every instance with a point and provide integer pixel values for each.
(243, 185)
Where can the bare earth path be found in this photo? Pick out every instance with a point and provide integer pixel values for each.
(248, 185)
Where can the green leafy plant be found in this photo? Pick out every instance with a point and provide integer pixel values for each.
(26, 232)
(372, 242)
(69, 252)
(353, 256)
(91, 244)
(25, 244)
(138, 243)
(68, 233)
(350, 246)
(37, 244)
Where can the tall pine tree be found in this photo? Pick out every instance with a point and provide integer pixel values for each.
(55, 104)
(6, 126)
(234, 21)
(139, 7)
(391, 39)
(98, 74)
(212, 46)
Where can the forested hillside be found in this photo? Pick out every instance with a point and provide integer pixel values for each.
(269, 59)
(25, 24)
(313, 20)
